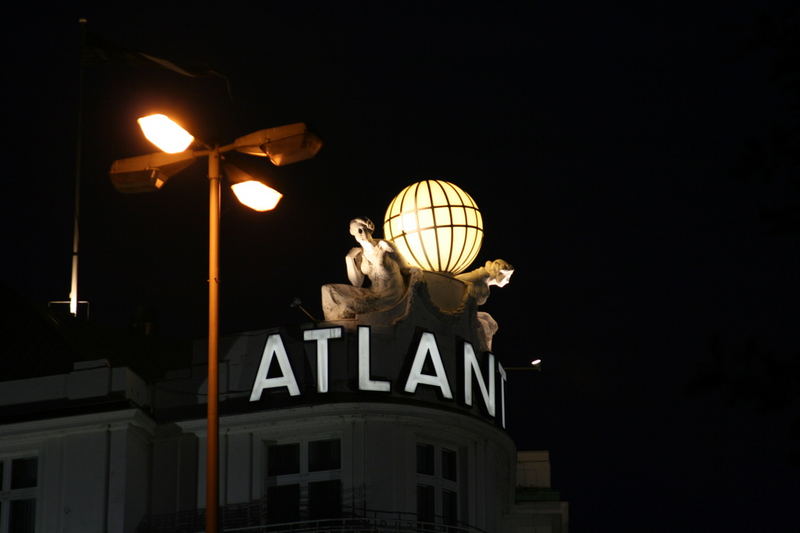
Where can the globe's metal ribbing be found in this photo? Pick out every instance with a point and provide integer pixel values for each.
(435, 225)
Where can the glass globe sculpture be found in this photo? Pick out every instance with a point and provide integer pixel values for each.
(435, 225)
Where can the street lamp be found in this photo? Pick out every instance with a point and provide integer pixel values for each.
(283, 145)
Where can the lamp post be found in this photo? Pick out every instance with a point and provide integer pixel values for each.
(283, 145)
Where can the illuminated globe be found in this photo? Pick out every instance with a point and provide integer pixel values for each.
(435, 225)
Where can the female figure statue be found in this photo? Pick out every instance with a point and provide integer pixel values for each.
(376, 260)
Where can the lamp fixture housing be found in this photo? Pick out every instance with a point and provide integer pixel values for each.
(148, 173)
(283, 145)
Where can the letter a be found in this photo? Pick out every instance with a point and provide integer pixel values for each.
(274, 347)
(427, 345)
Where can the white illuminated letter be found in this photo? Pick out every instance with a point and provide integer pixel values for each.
(322, 336)
(502, 393)
(470, 365)
(427, 345)
(364, 381)
(274, 346)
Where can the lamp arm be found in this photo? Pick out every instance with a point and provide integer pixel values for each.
(228, 147)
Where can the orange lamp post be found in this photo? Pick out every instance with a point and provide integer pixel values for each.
(282, 145)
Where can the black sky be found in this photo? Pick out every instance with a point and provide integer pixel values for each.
(603, 144)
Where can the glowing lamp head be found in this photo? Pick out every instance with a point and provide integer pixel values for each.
(165, 133)
(256, 195)
(435, 225)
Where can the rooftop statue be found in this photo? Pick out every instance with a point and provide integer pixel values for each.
(384, 290)
(376, 260)
(498, 273)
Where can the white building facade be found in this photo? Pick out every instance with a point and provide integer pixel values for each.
(335, 426)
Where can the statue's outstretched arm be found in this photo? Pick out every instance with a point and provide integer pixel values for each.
(353, 262)
(474, 276)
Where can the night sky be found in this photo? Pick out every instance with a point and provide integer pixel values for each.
(637, 165)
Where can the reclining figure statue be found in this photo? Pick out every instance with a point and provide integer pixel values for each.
(497, 272)
(376, 260)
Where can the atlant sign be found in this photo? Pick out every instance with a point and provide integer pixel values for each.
(381, 365)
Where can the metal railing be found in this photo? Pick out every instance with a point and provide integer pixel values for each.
(253, 518)
(361, 525)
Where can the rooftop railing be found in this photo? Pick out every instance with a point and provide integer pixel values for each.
(253, 518)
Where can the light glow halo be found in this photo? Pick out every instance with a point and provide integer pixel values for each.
(435, 225)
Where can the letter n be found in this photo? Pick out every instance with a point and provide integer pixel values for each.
(470, 366)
